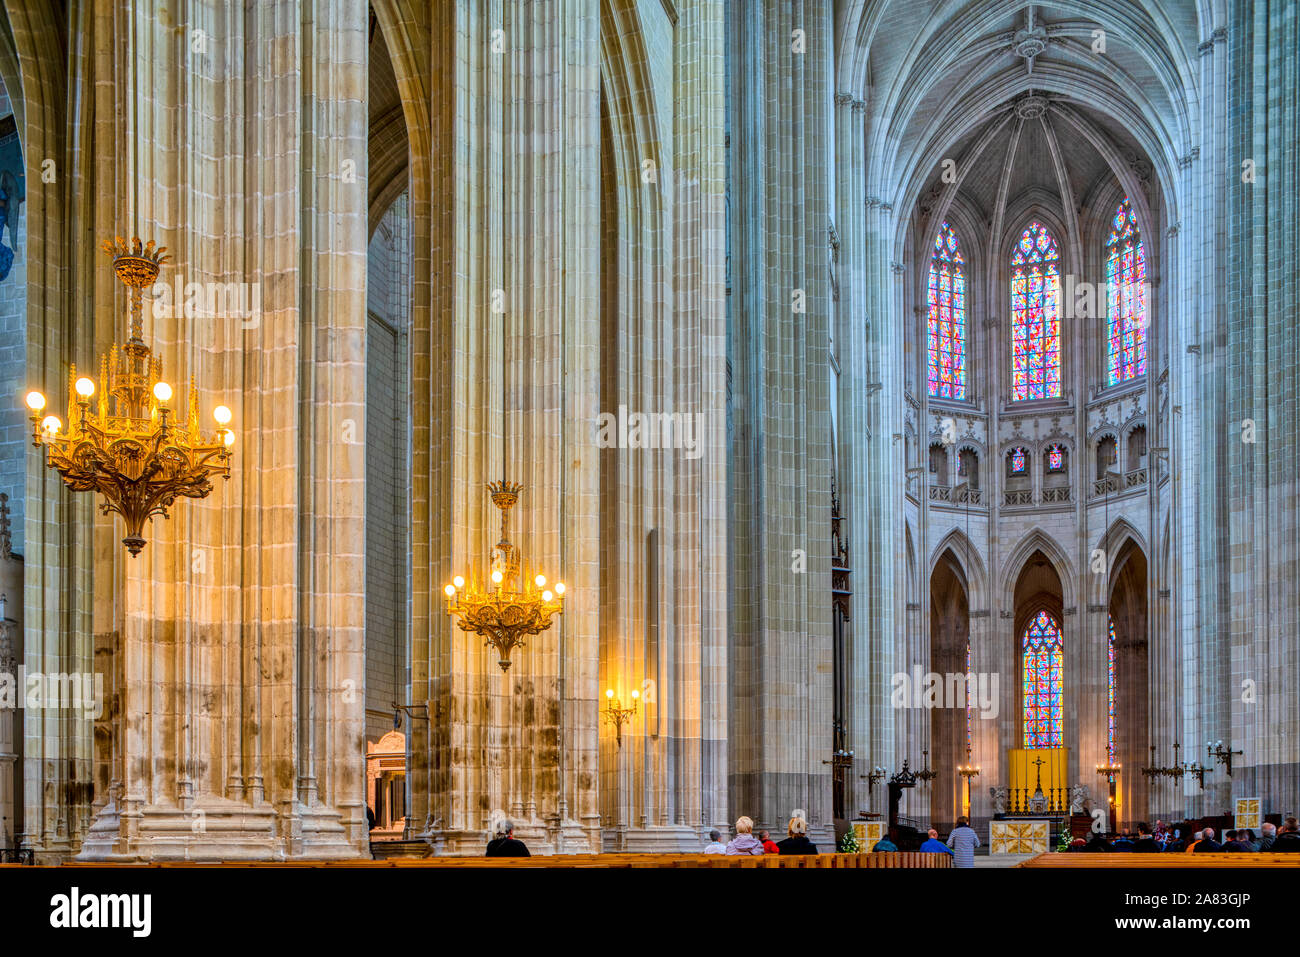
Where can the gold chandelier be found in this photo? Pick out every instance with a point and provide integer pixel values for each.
(133, 451)
(509, 607)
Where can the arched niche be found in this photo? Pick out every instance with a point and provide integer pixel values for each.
(949, 644)
(1128, 613)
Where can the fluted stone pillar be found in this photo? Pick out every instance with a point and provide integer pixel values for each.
(239, 673)
(663, 334)
(513, 246)
(781, 658)
(1256, 345)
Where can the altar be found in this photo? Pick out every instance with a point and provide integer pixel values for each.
(1037, 782)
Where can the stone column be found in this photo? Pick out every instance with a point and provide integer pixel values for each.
(240, 669)
(514, 152)
(1258, 421)
(781, 658)
(855, 442)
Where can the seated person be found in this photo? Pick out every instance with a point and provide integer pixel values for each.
(797, 842)
(1237, 843)
(504, 843)
(1146, 842)
(933, 845)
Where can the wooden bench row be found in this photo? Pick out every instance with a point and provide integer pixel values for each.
(1125, 859)
(903, 859)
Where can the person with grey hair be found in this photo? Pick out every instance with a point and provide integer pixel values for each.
(716, 847)
(1267, 835)
(504, 844)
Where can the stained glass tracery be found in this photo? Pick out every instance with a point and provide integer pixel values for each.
(1055, 458)
(1018, 460)
(1110, 694)
(947, 328)
(1126, 295)
(1043, 658)
(1035, 316)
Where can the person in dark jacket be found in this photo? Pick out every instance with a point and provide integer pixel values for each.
(1267, 835)
(1207, 843)
(1146, 843)
(1098, 844)
(1237, 843)
(797, 842)
(1288, 838)
(504, 844)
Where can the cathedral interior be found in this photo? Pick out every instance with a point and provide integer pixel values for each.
(621, 416)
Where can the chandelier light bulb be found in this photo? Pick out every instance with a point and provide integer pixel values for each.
(559, 588)
(52, 424)
(228, 437)
(546, 595)
(451, 591)
(85, 387)
(609, 692)
(222, 415)
(458, 582)
(35, 401)
(497, 576)
(635, 695)
(162, 392)
(540, 580)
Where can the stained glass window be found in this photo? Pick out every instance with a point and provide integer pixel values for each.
(1110, 694)
(1043, 695)
(1035, 316)
(1055, 458)
(947, 348)
(968, 707)
(1126, 296)
(1017, 460)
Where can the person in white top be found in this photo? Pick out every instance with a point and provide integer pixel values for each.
(717, 847)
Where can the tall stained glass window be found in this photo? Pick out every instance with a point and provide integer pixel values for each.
(1035, 316)
(1126, 297)
(947, 338)
(1110, 694)
(968, 707)
(1043, 657)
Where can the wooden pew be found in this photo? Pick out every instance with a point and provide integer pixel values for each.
(1123, 860)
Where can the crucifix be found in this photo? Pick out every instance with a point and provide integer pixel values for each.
(1039, 801)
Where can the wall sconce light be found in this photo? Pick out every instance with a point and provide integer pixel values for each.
(617, 715)
(1221, 754)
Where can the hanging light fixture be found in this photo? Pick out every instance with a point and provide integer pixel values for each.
(510, 605)
(133, 450)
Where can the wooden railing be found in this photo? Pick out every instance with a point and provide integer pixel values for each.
(899, 859)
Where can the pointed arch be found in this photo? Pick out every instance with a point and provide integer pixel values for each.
(1037, 540)
(970, 563)
(1115, 544)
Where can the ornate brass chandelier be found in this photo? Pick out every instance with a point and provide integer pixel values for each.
(133, 450)
(510, 606)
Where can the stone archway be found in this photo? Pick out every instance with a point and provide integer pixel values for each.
(949, 646)
(1129, 613)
